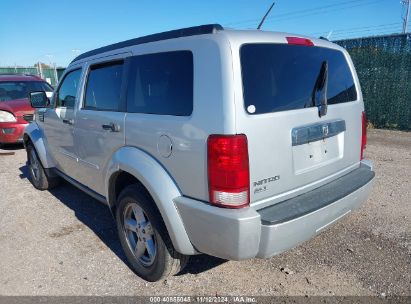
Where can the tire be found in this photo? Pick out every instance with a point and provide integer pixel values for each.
(37, 174)
(145, 233)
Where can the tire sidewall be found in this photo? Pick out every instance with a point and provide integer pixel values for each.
(37, 183)
(155, 271)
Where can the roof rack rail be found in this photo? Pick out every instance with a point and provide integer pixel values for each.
(324, 38)
(184, 32)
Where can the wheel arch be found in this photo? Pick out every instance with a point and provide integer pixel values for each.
(132, 165)
(33, 134)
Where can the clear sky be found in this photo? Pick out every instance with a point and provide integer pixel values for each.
(56, 30)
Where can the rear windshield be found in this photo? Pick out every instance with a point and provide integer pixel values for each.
(10, 90)
(280, 77)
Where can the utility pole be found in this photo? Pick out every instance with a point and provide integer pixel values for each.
(407, 4)
(50, 57)
(76, 52)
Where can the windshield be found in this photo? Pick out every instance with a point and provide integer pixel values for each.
(10, 90)
(281, 77)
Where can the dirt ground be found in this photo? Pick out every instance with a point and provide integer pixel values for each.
(64, 242)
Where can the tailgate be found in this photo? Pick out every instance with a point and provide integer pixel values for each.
(302, 116)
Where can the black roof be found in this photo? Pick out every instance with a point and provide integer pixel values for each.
(189, 31)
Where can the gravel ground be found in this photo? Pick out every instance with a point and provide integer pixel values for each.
(64, 243)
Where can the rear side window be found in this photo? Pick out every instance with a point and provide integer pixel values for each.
(103, 88)
(280, 77)
(161, 84)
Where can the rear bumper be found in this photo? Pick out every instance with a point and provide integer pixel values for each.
(247, 233)
(11, 132)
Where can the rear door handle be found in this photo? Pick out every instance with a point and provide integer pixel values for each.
(111, 127)
(68, 121)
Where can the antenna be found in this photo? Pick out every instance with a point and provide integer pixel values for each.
(265, 16)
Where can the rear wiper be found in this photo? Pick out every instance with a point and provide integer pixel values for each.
(320, 88)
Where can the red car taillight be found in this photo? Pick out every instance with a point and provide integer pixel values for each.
(228, 170)
(363, 134)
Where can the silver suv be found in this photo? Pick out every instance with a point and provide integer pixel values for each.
(236, 144)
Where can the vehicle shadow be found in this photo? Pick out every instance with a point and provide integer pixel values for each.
(201, 263)
(98, 218)
(9, 149)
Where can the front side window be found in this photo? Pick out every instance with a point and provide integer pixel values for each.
(103, 88)
(161, 84)
(281, 77)
(66, 95)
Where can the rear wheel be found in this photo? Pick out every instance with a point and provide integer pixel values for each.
(144, 236)
(37, 174)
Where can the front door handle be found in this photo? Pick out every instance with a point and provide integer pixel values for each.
(68, 121)
(111, 127)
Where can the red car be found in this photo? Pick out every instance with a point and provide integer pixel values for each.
(15, 109)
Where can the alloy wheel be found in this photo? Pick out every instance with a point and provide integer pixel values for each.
(139, 234)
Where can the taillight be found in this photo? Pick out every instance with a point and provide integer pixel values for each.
(299, 41)
(363, 134)
(228, 170)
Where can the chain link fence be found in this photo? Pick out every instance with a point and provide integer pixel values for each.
(383, 64)
(51, 75)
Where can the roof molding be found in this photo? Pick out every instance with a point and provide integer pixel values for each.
(184, 32)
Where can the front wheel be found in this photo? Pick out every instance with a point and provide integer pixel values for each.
(37, 174)
(144, 236)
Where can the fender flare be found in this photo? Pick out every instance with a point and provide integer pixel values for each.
(35, 134)
(159, 184)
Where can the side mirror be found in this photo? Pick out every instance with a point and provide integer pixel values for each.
(39, 99)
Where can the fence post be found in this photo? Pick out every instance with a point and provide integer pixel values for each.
(56, 79)
(40, 70)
